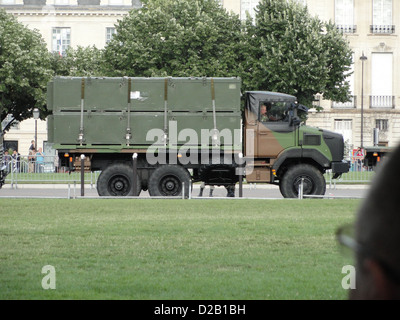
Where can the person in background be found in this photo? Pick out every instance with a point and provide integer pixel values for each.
(39, 161)
(359, 155)
(6, 159)
(375, 237)
(31, 160)
(32, 146)
(15, 158)
(202, 187)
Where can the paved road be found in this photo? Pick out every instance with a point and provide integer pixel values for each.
(249, 191)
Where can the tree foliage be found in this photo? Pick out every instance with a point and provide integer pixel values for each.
(79, 62)
(177, 38)
(25, 69)
(285, 49)
(295, 53)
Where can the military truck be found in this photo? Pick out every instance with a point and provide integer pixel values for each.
(163, 134)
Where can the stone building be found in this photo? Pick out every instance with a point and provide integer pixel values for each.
(63, 23)
(369, 26)
(372, 29)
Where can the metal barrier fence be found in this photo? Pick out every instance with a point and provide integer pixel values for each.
(358, 174)
(46, 170)
(43, 169)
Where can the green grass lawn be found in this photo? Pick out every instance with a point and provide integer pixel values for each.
(173, 249)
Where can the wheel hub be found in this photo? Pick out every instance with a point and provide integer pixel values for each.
(307, 184)
(119, 185)
(170, 185)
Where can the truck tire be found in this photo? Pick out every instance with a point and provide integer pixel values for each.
(167, 181)
(313, 183)
(117, 181)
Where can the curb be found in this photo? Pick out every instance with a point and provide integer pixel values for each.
(89, 186)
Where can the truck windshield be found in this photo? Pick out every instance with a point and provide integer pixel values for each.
(273, 111)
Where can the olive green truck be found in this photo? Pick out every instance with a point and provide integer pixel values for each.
(164, 134)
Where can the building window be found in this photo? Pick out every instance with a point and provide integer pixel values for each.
(248, 6)
(353, 99)
(109, 34)
(88, 2)
(345, 128)
(7, 2)
(61, 2)
(382, 80)
(344, 16)
(382, 17)
(61, 40)
(115, 2)
(382, 124)
(345, 105)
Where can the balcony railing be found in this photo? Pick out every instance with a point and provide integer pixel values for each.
(385, 29)
(381, 102)
(346, 28)
(345, 105)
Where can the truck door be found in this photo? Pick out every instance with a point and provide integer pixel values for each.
(274, 133)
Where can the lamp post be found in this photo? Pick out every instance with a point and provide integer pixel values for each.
(36, 114)
(362, 58)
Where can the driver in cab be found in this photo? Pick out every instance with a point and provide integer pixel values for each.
(266, 113)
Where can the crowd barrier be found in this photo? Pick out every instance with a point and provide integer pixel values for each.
(43, 169)
(47, 170)
(358, 173)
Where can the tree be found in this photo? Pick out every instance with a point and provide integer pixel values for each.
(176, 38)
(79, 62)
(24, 69)
(295, 53)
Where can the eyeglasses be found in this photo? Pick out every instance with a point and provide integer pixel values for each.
(345, 235)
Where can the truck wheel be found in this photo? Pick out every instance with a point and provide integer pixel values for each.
(167, 181)
(313, 183)
(117, 181)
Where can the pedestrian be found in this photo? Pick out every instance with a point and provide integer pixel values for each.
(31, 160)
(230, 190)
(375, 236)
(7, 160)
(202, 187)
(15, 158)
(39, 160)
(359, 156)
(32, 146)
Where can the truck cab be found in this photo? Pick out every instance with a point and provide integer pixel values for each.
(280, 149)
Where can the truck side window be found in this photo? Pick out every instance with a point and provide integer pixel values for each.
(263, 112)
(273, 111)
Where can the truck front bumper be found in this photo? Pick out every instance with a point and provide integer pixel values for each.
(340, 167)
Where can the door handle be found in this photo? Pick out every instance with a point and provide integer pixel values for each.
(263, 133)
